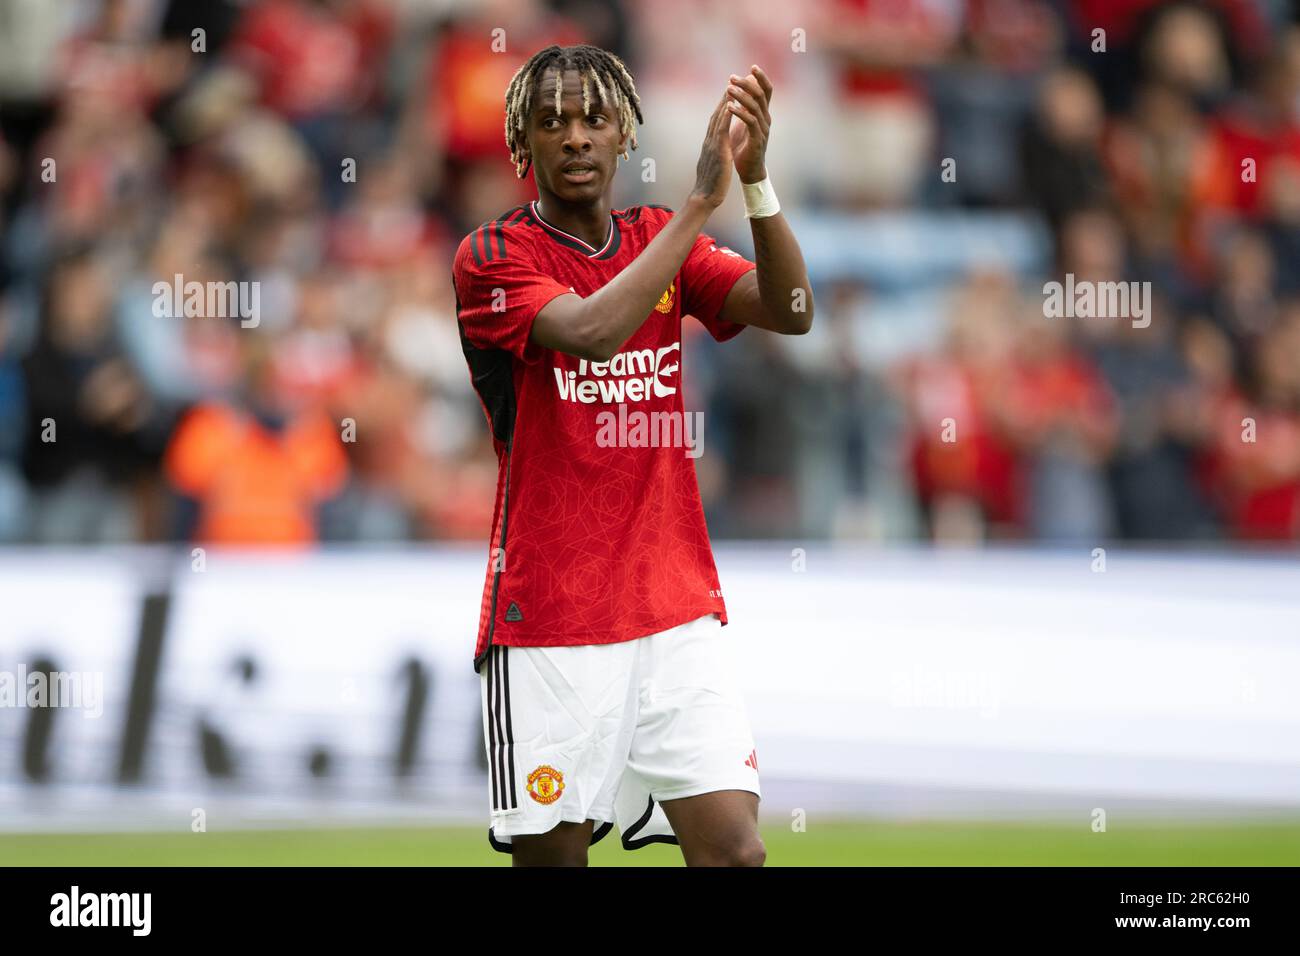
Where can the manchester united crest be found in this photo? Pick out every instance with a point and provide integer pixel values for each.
(545, 784)
(666, 300)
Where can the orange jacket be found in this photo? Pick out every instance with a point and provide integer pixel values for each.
(255, 486)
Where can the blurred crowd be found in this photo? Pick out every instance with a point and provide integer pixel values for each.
(335, 152)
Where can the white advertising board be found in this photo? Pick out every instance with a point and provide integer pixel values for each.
(333, 683)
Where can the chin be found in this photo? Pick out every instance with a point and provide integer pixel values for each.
(591, 190)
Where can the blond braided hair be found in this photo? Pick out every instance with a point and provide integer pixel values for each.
(598, 68)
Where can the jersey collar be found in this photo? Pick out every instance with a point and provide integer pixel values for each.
(573, 242)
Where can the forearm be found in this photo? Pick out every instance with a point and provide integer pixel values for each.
(611, 315)
(785, 294)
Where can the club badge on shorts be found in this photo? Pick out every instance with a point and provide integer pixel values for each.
(545, 784)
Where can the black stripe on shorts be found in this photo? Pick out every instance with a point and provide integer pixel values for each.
(501, 731)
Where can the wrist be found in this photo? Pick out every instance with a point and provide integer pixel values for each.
(760, 199)
(700, 204)
(754, 178)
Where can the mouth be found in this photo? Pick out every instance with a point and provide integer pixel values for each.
(578, 172)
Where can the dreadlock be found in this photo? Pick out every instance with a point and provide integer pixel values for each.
(598, 68)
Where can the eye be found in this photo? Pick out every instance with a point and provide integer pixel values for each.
(595, 117)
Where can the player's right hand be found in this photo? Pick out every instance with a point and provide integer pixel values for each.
(713, 171)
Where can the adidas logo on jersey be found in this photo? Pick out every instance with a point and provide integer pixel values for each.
(633, 376)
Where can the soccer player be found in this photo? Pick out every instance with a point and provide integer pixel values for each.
(607, 691)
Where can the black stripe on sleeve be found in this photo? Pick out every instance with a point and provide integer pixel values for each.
(498, 228)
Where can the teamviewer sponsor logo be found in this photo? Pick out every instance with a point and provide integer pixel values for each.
(75, 908)
(633, 376)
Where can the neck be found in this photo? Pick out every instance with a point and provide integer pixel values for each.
(589, 221)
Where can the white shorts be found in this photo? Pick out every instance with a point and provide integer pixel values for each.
(605, 732)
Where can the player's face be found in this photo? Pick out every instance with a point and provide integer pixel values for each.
(574, 154)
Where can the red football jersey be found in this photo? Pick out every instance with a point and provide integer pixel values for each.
(593, 541)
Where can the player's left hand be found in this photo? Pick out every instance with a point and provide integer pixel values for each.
(749, 98)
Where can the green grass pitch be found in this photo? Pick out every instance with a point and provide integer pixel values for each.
(838, 843)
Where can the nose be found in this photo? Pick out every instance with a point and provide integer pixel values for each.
(576, 137)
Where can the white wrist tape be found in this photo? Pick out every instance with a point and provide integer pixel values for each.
(760, 199)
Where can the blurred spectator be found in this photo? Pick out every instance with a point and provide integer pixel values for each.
(1152, 471)
(1244, 303)
(1255, 451)
(963, 461)
(256, 471)
(884, 115)
(317, 63)
(460, 109)
(13, 492)
(838, 404)
(755, 422)
(1062, 165)
(1159, 154)
(1062, 419)
(86, 441)
(981, 94)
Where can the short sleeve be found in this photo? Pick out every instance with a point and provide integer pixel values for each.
(499, 295)
(708, 274)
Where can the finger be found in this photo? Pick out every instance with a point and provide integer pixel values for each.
(719, 112)
(725, 114)
(763, 81)
(750, 109)
(751, 85)
(747, 100)
(763, 98)
(756, 132)
(711, 131)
